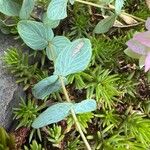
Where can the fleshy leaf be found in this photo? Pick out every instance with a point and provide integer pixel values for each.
(104, 25)
(143, 38)
(26, 9)
(53, 114)
(132, 54)
(10, 7)
(147, 24)
(85, 106)
(147, 62)
(35, 34)
(46, 86)
(136, 47)
(57, 9)
(118, 6)
(50, 23)
(74, 58)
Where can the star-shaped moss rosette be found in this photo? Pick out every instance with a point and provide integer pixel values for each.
(139, 47)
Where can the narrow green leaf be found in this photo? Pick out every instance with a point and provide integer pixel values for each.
(46, 86)
(53, 114)
(26, 9)
(132, 54)
(74, 58)
(49, 22)
(118, 6)
(10, 7)
(104, 25)
(57, 9)
(85, 106)
(35, 34)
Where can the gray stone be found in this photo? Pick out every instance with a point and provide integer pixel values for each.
(10, 92)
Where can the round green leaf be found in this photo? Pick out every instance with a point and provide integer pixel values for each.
(35, 34)
(85, 106)
(57, 45)
(49, 22)
(53, 114)
(26, 9)
(10, 7)
(46, 86)
(73, 58)
(57, 9)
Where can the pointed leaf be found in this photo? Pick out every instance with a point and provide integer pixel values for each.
(85, 106)
(57, 9)
(46, 86)
(132, 54)
(118, 6)
(35, 34)
(74, 58)
(53, 114)
(104, 25)
(10, 7)
(26, 9)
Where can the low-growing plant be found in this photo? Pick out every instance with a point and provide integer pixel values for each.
(7, 141)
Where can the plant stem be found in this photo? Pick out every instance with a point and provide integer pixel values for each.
(110, 8)
(74, 115)
(93, 4)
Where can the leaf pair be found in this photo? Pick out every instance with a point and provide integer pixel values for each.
(74, 58)
(60, 111)
(21, 8)
(39, 36)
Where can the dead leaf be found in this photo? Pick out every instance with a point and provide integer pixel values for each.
(128, 20)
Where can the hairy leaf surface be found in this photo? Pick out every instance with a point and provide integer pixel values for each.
(10, 7)
(74, 58)
(26, 9)
(85, 106)
(35, 34)
(57, 9)
(53, 114)
(46, 86)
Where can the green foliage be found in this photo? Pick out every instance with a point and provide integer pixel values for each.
(34, 146)
(104, 25)
(7, 141)
(103, 87)
(84, 119)
(18, 64)
(108, 117)
(55, 135)
(60, 111)
(26, 113)
(77, 57)
(138, 127)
